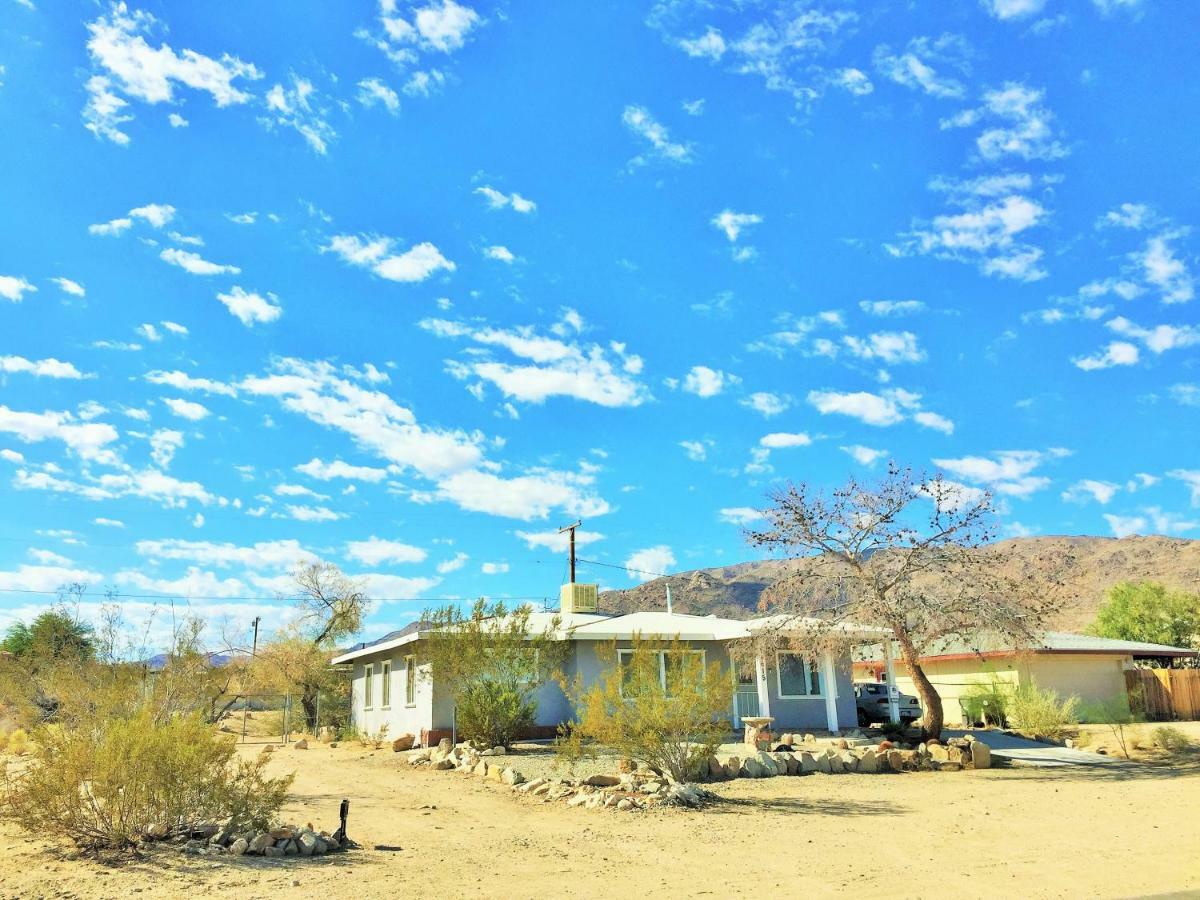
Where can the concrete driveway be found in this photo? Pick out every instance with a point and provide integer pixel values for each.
(1031, 753)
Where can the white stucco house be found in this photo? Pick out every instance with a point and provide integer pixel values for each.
(391, 687)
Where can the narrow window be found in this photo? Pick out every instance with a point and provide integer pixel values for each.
(410, 680)
(798, 677)
(386, 693)
(368, 679)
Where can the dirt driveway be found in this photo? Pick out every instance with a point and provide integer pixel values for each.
(1033, 832)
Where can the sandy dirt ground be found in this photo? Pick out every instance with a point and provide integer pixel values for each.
(1002, 832)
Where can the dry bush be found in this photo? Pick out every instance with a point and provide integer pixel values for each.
(1042, 712)
(1170, 739)
(16, 743)
(103, 783)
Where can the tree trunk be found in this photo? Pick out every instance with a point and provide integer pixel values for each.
(931, 702)
(308, 700)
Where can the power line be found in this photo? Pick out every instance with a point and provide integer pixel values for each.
(117, 595)
(592, 562)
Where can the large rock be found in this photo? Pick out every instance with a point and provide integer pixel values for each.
(445, 745)
(262, 841)
(716, 769)
(868, 762)
(444, 764)
(752, 768)
(849, 761)
(482, 769)
(307, 842)
(768, 764)
(938, 753)
(824, 764)
(239, 847)
(404, 742)
(981, 755)
(835, 763)
(895, 760)
(511, 776)
(808, 763)
(603, 780)
(301, 744)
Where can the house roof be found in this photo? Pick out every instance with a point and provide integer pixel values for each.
(605, 627)
(1058, 642)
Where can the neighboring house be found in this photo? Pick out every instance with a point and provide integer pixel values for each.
(392, 687)
(1091, 668)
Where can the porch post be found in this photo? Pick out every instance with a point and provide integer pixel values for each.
(829, 676)
(737, 720)
(893, 691)
(764, 699)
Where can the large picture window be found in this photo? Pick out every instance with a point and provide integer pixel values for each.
(670, 667)
(799, 677)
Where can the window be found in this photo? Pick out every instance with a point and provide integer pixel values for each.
(798, 677)
(670, 665)
(410, 680)
(368, 683)
(385, 695)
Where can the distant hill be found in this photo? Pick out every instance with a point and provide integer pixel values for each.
(1087, 566)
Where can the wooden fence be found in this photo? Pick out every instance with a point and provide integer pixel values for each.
(1166, 693)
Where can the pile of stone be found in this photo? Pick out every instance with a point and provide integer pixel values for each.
(640, 789)
(217, 840)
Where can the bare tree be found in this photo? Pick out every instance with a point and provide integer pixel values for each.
(906, 554)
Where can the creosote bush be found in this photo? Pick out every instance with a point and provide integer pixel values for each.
(656, 703)
(986, 702)
(103, 783)
(491, 713)
(1042, 712)
(1165, 737)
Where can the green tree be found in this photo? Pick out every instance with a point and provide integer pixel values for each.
(54, 634)
(1149, 611)
(656, 703)
(490, 661)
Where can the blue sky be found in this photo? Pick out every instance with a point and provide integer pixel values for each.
(408, 286)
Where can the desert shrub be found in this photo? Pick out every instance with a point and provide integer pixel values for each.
(494, 712)
(895, 731)
(16, 743)
(1170, 739)
(373, 739)
(1041, 712)
(986, 702)
(671, 726)
(103, 785)
(1118, 713)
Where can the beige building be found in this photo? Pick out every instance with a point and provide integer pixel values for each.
(1091, 668)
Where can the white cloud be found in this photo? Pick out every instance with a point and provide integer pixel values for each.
(15, 288)
(1185, 394)
(1007, 471)
(734, 223)
(1151, 520)
(1117, 353)
(556, 541)
(444, 26)
(375, 551)
(184, 382)
(500, 200)
(1013, 9)
(740, 515)
(705, 382)
(108, 523)
(163, 444)
(1166, 271)
(890, 347)
(302, 513)
(42, 368)
(46, 578)
(1158, 339)
(891, 307)
(934, 421)
(300, 108)
(693, 107)
(766, 403)
(1191, 478)
(494, 568)
(710, 45)
(1090, 489)
(798, 332)
(372, 92)
(283, 554)
(186, 409)
(127, 68)
(67, 286)
(149, 332)
(533, 495)
(697, 451)
(642, 123)
(327, 471)
(88, 440)
(780, 440)
(546, 366)
(913, 67)
(1135, 216)
(500, 254)
(1027, 131)
(447, 566)
(11, 456)
(177, 121)
(249, 307)
(148, 484)
(854, 80)
(195, 264)
(375, 254)
(873, 409)
(650, 562)
(864, 456)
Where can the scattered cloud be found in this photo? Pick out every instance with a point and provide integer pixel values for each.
(299, 106)
(376, 551)
(42, 368)
(766, 403)
(376, 254)
(650, 562)
(740, 515)
(1009, 472)
(864, 456)
(657, 138)
(373, 92)
(922, 64)
(499, 200)
(194, 264)
(705, 382)
(1117, 353)
(250, 308)
(186, 409)
(14, 288)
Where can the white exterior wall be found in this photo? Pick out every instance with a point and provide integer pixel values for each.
(399, 717)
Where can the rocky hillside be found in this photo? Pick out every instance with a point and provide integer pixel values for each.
(1087, 566)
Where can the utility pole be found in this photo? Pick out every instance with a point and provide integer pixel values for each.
(571, 544)
(253, 653)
